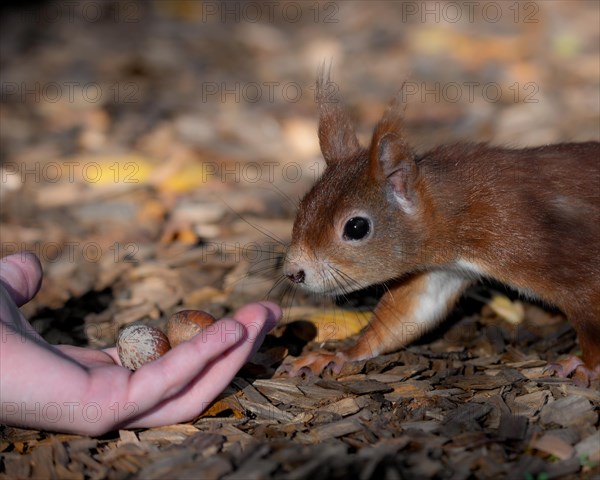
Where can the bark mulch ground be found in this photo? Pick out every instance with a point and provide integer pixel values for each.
(153, 155)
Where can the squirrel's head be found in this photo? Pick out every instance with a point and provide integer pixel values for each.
(360, 223)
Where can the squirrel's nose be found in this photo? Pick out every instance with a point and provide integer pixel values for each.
(297, 277)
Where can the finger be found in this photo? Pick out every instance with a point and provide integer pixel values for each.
(213, 379)
(273, 312)
(167, 376)
(113, 353)
(10, 315)
(21, 274)
(86, 356)
(275, 315)
(254, 317)
(258, 318)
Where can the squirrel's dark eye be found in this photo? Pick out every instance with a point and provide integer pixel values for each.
(356, 228)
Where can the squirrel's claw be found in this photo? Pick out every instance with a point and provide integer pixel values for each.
(315, 362)
(572, 366)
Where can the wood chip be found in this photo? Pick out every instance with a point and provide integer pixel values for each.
(367, 386)
(171, 433)
(553, 445)
(41, 462)
(343, 407)
(268, 411)
(530, 404)
(567, 411)
(589, 447)
(331, 430)
(127, 436)
(410, 389)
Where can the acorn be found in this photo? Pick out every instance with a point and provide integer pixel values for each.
(186, 324)
(141, 344)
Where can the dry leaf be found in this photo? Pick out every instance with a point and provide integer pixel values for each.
(338, 324)
(512, 312)
(222, 405)
(106, 171)
(187, 178)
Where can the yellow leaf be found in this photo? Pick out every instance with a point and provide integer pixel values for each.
(189, 177)
(116, 170)
(338, 324)
(567, 46)
(512, 312)
(222, 405)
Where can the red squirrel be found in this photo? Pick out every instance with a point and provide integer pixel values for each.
(428, 226)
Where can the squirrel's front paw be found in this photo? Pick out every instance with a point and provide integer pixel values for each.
(315, 362)
(574, 367)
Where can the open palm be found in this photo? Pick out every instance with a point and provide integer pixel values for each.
(86, 391)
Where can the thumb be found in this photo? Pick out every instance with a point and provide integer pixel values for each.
(21, 275)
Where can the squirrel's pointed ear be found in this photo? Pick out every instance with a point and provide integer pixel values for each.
(337, 137)
(391, 157)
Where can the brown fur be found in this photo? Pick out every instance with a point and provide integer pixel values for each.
(529, 218)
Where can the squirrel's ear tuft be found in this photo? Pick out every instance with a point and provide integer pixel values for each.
(390, 127)
(337, 137)
(391, 158)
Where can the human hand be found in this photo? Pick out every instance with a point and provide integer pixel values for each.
(85, 391)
